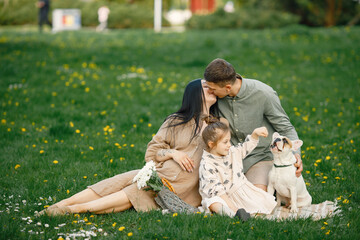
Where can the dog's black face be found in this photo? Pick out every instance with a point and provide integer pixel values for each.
(279, 144)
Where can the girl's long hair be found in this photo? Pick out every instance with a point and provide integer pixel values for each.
(191, 108)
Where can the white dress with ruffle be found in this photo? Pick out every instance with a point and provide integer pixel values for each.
(224, 175)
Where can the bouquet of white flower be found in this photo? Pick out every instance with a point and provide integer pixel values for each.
(166, 197)
(148, 177)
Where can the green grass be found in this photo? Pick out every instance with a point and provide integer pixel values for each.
(92, 102)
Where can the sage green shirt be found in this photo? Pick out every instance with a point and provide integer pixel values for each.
(256, 105)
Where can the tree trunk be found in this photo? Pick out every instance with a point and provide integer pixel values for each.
(330, 13)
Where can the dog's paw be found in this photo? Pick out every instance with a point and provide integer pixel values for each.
(294, 210)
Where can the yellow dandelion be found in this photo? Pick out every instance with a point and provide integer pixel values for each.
(306, 118)
(42, 151)
(67, 191)
(327, 158)
(134, 126)
(174, 214)
(114, 224)
(95, 175)
(91, 148)
(23, 129)
(132, 145)
(17, 166)
(60, 238)
(45, 181)
(55, 161)
(130, 234)
(111, 161)
(71, 124)
(77, 131)
(149, 125)
(328, 232)
(87, 89)
(121, 229)
(160, 80)
(3, 121)
(84, 177)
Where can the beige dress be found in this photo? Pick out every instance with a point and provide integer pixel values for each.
(185, 184)
(224, 175)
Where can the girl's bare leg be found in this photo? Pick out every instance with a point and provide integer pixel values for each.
(115, 202)
(84, 196)
(221, 209)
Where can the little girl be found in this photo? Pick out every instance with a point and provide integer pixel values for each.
(223, 186)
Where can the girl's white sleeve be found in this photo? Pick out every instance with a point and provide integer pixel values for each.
(210, 183)
(246, 147)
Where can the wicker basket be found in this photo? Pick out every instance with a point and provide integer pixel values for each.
(168, 200)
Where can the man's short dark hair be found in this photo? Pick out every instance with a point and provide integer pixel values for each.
(220, 72)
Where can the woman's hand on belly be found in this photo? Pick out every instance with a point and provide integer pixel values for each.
(184, 161)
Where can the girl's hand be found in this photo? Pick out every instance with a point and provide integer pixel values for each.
(186, 163)
(261, 131)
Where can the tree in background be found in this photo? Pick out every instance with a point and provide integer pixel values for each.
(313, 12)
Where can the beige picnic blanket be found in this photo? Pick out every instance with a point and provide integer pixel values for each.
(315, 211)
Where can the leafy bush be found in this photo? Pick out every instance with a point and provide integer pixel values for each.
(245, 18)
(122, 15)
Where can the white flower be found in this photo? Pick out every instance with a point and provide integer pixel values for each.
(144, 174)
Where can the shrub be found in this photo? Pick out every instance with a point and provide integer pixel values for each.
(245, 18)
(122, 15)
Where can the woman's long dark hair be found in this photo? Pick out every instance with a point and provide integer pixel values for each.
(191, 108)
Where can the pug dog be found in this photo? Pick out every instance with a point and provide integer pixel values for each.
(289, 188)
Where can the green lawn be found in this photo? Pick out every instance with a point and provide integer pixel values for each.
(79, 107)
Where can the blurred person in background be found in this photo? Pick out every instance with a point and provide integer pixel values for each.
(103, 14)
(44, 7)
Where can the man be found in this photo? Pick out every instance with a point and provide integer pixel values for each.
(248, 104)
(44, 7)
